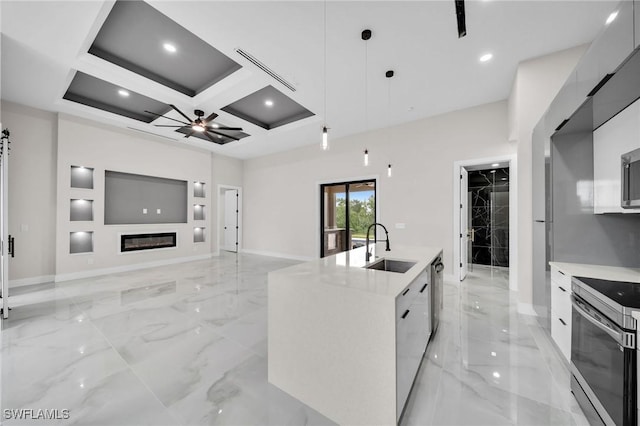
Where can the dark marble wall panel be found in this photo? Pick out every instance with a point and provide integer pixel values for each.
(490, 216)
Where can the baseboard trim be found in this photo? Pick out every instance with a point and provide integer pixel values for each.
(526, 309)
(127, 268)
(31, 281)
(276, 254)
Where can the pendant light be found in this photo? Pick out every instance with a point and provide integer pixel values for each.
(389, 74)
(325, 134)
(366, 35)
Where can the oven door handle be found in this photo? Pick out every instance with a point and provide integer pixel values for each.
(616, 335)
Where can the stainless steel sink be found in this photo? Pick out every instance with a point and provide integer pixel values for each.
(390, 265)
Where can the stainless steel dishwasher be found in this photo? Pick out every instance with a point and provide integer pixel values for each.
(437, 268)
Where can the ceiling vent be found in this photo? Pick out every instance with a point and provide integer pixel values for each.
(153, 134)
(266, 69)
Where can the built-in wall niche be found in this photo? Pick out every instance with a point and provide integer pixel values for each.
(198, 189)
(198, 212)
(80, 242)
(81, 210)
(81, 177)
(198, 235)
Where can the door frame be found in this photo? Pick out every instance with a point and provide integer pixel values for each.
(220, 216)
(338, 181)
(513, 212)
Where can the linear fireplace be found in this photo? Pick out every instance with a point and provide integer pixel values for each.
(136, 242)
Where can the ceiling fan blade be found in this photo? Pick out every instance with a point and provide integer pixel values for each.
(181, 113)
(211, 138)
(236, 129)
(168, 118)
(211, 116)
(189, 134)
(167, 125)
(222, 134)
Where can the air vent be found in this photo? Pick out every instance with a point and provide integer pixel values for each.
(153, 134)
(266, 69)
(599, 85)
(566, 120)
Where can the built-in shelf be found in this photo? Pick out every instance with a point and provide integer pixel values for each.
(81, 242)
(198, 235)
(81, 177)
(198, 189)
(198, 212)
(81, 210)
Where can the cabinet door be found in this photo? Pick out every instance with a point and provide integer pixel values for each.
(404, 377)
(619, 135)
(561, 334)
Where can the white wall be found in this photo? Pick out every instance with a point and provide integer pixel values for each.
(40, 192)
(281, 191)
(536, 83)
(85, 143)
(32, 191)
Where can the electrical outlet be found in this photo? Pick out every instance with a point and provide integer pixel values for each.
(400, 226)
(144, 211)
(90, 261)
(24, 228)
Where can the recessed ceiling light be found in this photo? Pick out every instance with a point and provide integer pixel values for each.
(492, 171)
(611, 17)
(170, 48)
(486, 57)
(268, 103)
(495, 164)
(123, 93)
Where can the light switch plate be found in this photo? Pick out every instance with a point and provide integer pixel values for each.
(400, 225)
(144, 211)
(158, 211)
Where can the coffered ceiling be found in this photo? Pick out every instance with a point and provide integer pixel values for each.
(53, 51)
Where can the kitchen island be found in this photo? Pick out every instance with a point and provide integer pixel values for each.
(347, 340)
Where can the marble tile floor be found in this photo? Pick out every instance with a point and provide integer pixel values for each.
(186, 345)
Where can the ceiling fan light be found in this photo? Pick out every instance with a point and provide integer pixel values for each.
(198, 127)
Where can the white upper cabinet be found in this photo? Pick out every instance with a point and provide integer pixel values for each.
(617, 136)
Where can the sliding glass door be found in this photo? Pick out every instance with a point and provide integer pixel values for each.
(346, 211)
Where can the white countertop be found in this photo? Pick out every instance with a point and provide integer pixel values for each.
(346, 269)
(603, 272)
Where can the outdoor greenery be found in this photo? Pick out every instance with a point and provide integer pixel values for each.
(361, 215)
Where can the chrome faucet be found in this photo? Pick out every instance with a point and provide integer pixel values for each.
(368, 255)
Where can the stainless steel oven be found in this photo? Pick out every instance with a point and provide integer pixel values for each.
(603, 350)
(630, 179)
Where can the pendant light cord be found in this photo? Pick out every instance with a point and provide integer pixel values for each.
(325, 62)
(366, 86)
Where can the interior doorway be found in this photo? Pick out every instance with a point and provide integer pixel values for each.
(229, 218)
(346, 211)
(484, 226)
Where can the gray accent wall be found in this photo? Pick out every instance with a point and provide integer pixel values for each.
(580, 236)
(127, 196)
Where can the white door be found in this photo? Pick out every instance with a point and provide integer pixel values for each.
(4, 225)
(231, 220)
(464, 222)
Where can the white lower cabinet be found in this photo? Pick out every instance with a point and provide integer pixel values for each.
(561, 311)
(413, 329)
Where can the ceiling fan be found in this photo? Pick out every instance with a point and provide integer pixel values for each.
(200, 125)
